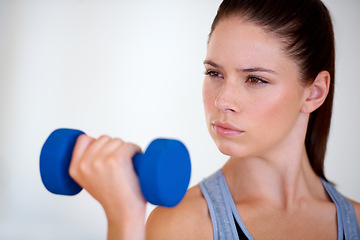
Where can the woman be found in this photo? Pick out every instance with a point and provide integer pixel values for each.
(268, 94)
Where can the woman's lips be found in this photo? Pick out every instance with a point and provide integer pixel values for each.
(226, 129)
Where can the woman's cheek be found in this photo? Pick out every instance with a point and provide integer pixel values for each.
(276, 118)
(209, 97)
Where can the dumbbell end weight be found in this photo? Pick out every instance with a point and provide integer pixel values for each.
(164, 172)
(55, 158)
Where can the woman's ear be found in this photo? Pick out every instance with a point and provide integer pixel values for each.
(316, 93)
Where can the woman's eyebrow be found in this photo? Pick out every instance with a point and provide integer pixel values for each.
(257, 69)
(245, 70)
(211, 63)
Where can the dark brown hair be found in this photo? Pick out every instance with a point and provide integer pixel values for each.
(305, 29)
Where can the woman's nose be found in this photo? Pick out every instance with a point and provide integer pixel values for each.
(227, 99)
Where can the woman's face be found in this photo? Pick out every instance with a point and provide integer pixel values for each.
(251, 93)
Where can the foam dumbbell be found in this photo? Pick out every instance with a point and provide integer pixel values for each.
(163, 169)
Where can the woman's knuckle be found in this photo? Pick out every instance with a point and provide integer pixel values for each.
(104, 137)
(84, 168)
(82, 137)
(118, 141)
(113, 160)
(73, 172)
(96, 165)
(128, 145)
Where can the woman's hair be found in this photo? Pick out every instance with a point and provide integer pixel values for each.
(305, 30)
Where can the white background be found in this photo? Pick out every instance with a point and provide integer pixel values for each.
(132, 69)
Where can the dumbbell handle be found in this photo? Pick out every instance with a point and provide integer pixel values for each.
(163, 169)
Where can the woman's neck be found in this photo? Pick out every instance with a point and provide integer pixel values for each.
(283, 176)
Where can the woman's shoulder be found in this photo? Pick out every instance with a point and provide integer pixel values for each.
(181, 221)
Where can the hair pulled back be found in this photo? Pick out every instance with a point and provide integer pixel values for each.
(305, 30)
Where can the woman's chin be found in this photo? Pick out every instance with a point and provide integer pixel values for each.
(231, 149)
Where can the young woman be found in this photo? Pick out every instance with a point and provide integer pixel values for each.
(268, 94)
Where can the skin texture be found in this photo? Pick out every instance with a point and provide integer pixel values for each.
(257, 113)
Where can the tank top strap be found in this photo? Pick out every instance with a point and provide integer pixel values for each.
(346, 217)
(218, 204)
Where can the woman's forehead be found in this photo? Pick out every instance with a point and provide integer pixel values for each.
(244, 43)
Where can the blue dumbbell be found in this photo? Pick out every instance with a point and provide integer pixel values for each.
(163, 170)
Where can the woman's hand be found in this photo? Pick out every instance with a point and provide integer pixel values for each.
(104, 168)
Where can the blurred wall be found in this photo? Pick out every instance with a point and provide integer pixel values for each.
(131, 69)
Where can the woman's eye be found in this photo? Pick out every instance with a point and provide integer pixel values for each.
(213, 74)
(256, 81)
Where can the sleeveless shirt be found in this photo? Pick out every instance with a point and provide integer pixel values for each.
(227, 222)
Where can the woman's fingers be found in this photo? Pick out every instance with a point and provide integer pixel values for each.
(82, 144)
(107, 151)
(85, 152)
(123, 153)
(104, 165)
(121, 159)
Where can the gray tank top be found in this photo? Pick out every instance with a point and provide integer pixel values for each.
(223, 210)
